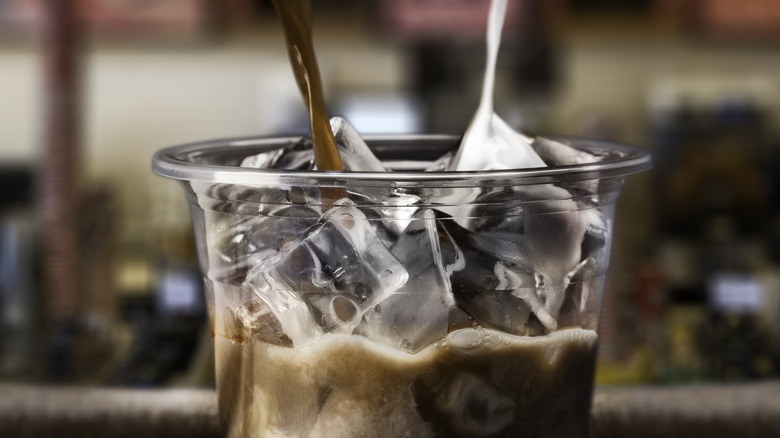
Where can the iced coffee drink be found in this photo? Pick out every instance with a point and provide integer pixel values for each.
(419, 286)
(421, 304)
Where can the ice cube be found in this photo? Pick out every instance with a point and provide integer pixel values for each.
(237, 243)
(599, 228)
(388, 214)
(496, 211)
(521, 284)
(327, 279)
(520, 260)
(584, 286)
(263, 160)
(549, 232)
(236, 199)
(355, 153)
(477, 287)
(418, 314)
(582, 309)
(298, 155)
(554, 229)
(296, 318)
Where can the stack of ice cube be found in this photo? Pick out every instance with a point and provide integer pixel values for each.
(401, 273)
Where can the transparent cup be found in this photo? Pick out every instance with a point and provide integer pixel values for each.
(407, 303)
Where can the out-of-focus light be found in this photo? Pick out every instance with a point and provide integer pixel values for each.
(381, 113)
(735, 293)
(438, 19)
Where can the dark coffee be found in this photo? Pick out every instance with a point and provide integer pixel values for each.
(296, 20)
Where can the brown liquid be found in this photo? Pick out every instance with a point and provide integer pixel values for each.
(296, 20)
(471, 383)
(474, 383)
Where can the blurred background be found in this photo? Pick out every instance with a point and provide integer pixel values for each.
(99, 282)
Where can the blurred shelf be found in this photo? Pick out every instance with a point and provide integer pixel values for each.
(740, 410)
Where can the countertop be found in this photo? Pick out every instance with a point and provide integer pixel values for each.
(735, 410)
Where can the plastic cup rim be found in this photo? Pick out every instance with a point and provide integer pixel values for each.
(169, 162)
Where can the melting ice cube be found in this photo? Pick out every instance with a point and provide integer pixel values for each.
(240, 242)
(522, 262)
(481, 289)
(355, 153)
(537, 253)
(389, 214)
(418, 314)
(295, 156)
(327, 279)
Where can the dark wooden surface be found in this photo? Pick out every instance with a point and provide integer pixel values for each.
(740, 411)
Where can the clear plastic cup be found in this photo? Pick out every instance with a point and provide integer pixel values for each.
(407, 303)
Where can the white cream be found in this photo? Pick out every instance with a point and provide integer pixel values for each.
(489, 142)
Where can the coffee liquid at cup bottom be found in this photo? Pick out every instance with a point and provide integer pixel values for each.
(473, 383)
